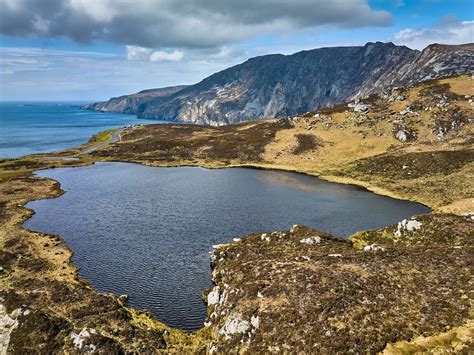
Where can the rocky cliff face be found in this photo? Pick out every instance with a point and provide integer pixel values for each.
(437, 61)
(134, 103)
(278, 85)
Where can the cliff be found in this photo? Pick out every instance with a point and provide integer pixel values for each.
(134, 103)
(280, 85)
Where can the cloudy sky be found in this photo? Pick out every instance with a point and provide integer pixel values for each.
(94, 49)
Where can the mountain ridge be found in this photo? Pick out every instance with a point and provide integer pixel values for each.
(277, 85)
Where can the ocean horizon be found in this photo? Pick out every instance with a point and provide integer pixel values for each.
(32, 127)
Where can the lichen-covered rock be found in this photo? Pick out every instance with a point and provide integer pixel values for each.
(213, 296)
(311, 240)
(401, 136)
(255, 321)
(359, 107)
(403, 131)
(373, 247)
(407, 226)
(80, 340)
(234, 324)
(7, 324)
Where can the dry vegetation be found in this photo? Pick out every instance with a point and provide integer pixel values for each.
(327, 296)
(410, 292)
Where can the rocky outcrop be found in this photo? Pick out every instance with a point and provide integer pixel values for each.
(331, 295)
(438, 61)
(280, 85)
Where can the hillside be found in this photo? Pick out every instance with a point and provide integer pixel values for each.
(405, 288)
(401, 141)
(281, 85)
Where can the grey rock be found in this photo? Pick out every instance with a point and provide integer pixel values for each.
(283, 85)
(401, 136)
(358, 107)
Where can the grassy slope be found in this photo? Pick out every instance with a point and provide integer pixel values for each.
(338, 145)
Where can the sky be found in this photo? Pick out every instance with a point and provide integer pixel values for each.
(90, 50)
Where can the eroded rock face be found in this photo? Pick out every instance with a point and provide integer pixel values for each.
(278, 85)
(324, 295)
(234, 324)
(8, 323)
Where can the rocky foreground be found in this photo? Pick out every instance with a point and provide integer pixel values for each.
(403, 288)
(304, 290)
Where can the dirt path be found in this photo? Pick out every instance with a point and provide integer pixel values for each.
(114, 139)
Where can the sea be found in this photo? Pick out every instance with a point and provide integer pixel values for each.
(42, 127)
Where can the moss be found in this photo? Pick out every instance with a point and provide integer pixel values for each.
(102, 137)
(306, 142)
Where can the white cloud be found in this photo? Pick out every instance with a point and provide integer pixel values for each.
(11, 4)
(138, 53)
(449, 31)
(48, 74)
(162, 56)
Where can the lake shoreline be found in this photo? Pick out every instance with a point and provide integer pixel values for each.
(419, 249)
(174, 337)
(295, 198)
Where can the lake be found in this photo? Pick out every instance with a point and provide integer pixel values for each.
(41, 127)
(147, 232)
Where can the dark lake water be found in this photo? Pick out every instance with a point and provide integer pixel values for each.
(40, 127)
(147, 232)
